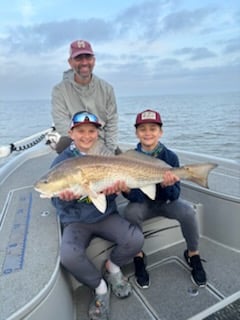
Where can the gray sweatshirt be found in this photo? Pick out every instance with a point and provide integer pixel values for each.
(69, 97)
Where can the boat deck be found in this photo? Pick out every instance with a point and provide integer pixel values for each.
(172, 295)
(29, 256)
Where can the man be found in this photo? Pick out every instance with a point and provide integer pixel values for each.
(79, 90)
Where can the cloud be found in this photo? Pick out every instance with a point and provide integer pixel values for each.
(143, 18)
(145, 21)
(152, 19)
(156, 45)
(232, 46)
(44, 37)
(186, 20)
(196, 53)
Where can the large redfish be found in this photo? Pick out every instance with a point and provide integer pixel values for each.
(90, 174)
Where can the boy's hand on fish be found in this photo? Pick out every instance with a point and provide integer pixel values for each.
(117, 187)
(68, 195)
(169, 179)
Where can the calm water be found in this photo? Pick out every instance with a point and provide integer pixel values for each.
(200, 123)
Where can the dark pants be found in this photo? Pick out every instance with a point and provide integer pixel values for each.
(77, 237)
(179, 209)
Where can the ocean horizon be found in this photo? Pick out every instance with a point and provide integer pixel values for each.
(202, 123)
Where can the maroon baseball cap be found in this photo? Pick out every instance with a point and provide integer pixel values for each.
(148, 116)
(79, 47)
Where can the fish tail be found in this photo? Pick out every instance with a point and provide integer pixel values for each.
(198, 173)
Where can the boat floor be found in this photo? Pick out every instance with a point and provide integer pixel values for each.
(172, 295)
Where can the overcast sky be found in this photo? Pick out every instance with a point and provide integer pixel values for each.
(141, 47)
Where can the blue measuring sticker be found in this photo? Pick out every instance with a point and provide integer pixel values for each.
(15, 251)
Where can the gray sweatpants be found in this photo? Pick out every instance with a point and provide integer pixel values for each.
(77, 237)
(179, 210)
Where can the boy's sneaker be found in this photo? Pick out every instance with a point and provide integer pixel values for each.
(118, 283)
(141, 274)
(99, 307)
(198, 273)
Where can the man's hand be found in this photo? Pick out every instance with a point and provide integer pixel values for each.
(52, 139)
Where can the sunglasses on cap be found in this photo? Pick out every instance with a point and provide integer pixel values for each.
(84, 117)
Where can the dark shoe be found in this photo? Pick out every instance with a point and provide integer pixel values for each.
(99, 307)
(198, 273)
(141, 274)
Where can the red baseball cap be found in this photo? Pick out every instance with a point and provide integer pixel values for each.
(79, 47)
(148, 116)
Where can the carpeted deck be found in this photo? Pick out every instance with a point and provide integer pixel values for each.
(172, 295)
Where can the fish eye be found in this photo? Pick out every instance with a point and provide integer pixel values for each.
(45, 181)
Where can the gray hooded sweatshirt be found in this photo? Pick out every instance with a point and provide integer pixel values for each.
(69, 97)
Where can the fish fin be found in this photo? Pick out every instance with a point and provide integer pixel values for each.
(131, 153)
(150, 191)
(88, 190)
(136, 155)
(100, 202)
(98, 199)
(75, 189)
(198, 173)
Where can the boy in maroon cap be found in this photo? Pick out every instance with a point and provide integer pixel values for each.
(167, 203)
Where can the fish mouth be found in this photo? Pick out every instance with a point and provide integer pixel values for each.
(43, 194)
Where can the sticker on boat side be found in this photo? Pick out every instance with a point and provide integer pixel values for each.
(15, 250)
